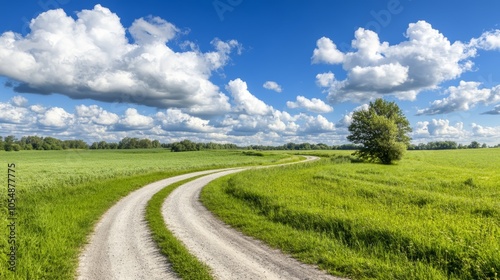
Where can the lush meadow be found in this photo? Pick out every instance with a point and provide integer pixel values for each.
(61, 194)
(434, 215)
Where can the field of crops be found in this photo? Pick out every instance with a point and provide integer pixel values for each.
(61, 194)
(434, 215)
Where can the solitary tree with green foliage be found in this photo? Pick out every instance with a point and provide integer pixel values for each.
(382, 130)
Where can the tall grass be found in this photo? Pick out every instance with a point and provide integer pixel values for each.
(61, 194)
(435, 215)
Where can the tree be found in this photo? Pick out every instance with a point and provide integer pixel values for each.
(183, 146)
(102, 145)
(8, 142)
(474, 145)
(382, 130)
(156, 144)
(16, 147)
(144, 144)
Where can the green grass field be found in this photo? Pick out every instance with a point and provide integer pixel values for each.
(434, 215)
(61, 194)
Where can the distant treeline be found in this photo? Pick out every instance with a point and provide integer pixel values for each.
(448, 145)
(11, 143)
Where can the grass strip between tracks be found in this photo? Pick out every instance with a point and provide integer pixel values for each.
(183, 263)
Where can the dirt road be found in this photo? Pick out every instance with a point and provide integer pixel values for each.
(230, 254)
(121, 245)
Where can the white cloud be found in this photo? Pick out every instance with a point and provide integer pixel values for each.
(220, 57)
(56, 117)
(38, 108)
(463, 98)
(252, 116)
(441, 130)
(271, 85)
(325, 79)
(19, 101)
(326, 52)
(135, 121)
(96, 115)
(12, 113)
(441, 127)
(425, 60)
(176, 120)
(379, 77)
(489, 40)
(482, 131)
(91, 57)
(314, 105)
(318, 124)
(246, 102)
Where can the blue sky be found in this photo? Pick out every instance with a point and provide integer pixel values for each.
(247, 72)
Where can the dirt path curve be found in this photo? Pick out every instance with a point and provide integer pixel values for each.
(121, 246)
(230, 254)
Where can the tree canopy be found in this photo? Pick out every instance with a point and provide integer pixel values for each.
(382, 130)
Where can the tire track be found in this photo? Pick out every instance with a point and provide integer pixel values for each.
(230, 254)
(121, 246)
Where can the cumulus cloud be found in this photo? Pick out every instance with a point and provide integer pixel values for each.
(91, 57)
(132, 120)
(314, 105)
(326, 52)
(280, 123)
(482, 131)
(19, 101)
(325, 79)
(245, 102)
(96, 115)
(463, 98)
(12, 113)
(37, 108)
(440, 128)
(425, 60)
(56, 117)
(271, 85)
(489, 40)
(176, 120)
(318, 124)
(94, 123)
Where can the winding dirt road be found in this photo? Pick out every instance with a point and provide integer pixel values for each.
(230, 254)
(121, 245)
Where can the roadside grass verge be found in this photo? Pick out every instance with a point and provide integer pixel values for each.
(183, 263)
(434, 215)
(62, 194)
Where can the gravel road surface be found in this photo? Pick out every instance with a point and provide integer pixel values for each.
(121, 246)
(230, 254)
